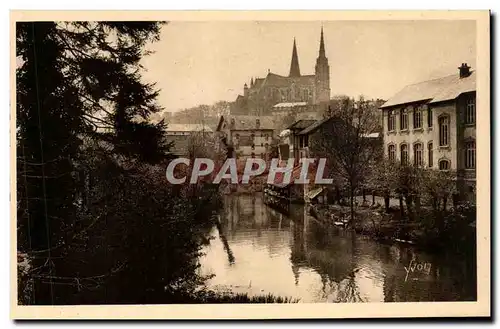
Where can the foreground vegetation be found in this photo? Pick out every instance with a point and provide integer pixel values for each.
(451, 229)
(97, 222)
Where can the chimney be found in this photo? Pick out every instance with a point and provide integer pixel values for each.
(464, 70)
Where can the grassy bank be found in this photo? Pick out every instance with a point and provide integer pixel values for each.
(211, 297)
(451, 229)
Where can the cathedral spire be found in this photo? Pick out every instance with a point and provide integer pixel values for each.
(294, 66)
(322, 45)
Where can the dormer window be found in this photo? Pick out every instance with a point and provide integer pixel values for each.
(257, 123)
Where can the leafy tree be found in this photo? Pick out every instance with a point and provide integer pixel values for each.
(348, 145)
(408, 184)
(75, 82)
(383, 179)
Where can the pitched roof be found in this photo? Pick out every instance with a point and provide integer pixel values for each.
(318, 124)
(293, 104)
(276, 80)
(258, 82)
(436, 90)
(301, 124)
(306, 78)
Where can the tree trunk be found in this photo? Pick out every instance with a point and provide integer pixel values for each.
(364, 195)
(445, 199)
(351, 196)
(373, 197)
(434, 203)
(401, 208)
(417, 205)
(455, 198)
(387, 200)
(409, 206)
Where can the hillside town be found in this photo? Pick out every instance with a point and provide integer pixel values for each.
(360, 199)
(402, 170)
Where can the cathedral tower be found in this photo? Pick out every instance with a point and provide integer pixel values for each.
(322, 73)
(294, 66)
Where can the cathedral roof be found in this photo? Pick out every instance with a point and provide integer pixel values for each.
(276, 80)
(258, 82)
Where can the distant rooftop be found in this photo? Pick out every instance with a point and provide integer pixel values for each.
(293, 104)
(301, 124)
(435, 90)
(248, 122)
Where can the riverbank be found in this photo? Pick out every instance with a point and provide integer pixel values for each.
(453, 229)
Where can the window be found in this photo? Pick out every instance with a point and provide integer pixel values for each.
(430, 154)
(391, 151)
(404, 154)
(252, 136)
(470, 155)
(253, 155)
(470, 110)
(444, 131)
(444, 165)
(391, 121)
(429, 117)
(404, 119)
(253, 146)
(417, 155)
(257, 123)
(261, 144)
(417, 118)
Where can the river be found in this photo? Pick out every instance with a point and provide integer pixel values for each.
(260, 251)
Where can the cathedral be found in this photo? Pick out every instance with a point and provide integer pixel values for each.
(263, 94)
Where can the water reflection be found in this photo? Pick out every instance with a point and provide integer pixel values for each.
(259, 250)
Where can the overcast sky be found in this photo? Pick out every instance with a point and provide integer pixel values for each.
(204, 62)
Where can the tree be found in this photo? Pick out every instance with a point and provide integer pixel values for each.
(383, 179)
(408, 184)
(335, 106)
(439, 186)
(76, 82)
(347, 143)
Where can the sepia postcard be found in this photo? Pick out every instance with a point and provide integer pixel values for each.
(250, 164)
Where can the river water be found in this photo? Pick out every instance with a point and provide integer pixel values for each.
(259, 251)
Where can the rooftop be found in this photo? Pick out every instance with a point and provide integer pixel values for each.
(248, 122)
(301, 124)
(290, 104)
(435, 90)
